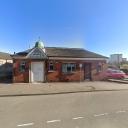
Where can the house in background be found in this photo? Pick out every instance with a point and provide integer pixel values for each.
(6, 67)
(5, 58)
(54, 64)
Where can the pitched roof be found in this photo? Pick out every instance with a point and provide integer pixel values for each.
(5, 56)
(65, 52)
(71, 52)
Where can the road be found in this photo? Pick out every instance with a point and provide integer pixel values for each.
(75, 110)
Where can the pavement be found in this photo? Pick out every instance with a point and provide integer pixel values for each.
(24, 89)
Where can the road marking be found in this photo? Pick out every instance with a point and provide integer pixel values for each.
(102, 114)
(120, 111)
(76, 118)
(23, 125)
(52, 121)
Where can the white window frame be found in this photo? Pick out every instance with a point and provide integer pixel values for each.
(65, 67)
(49, 65)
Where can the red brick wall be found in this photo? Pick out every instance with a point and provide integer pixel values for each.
(54, 75)
(20, 76)
(58, 75)
(74, 76)
(99, 75)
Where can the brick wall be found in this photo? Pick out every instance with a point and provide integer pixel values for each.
(57, 75)
(77, 75)
(20, 76)
(99, 75)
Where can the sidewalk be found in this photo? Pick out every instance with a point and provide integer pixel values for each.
(23, 89)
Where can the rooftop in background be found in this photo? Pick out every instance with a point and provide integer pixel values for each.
(5, 56)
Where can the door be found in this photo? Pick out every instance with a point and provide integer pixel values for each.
(87, 71)
(37, 72)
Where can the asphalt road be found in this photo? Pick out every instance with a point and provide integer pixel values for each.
(77, 110)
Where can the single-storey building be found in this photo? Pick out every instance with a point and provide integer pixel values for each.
(55, 64)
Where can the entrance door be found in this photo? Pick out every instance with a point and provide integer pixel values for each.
(87, 71)
(37, 72)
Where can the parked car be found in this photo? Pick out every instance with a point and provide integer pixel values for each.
(115, 74)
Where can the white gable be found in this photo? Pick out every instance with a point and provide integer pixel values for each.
(37, 53)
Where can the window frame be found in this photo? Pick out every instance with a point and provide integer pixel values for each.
(68, 68)
(22, 66)
(49, 67)
(99, 68)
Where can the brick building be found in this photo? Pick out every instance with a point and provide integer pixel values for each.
(53, 64)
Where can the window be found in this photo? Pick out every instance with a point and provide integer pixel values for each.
(99, 67)
(68, 68)
(51, 66)
(22, 66)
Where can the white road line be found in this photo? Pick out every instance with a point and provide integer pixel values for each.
(23, 125)
(102, 114)
(76, 118)
(52, 121)
(120, 111)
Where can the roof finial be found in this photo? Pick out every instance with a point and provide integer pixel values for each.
(39, 38)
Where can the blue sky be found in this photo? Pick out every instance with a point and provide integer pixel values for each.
(97, 25)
